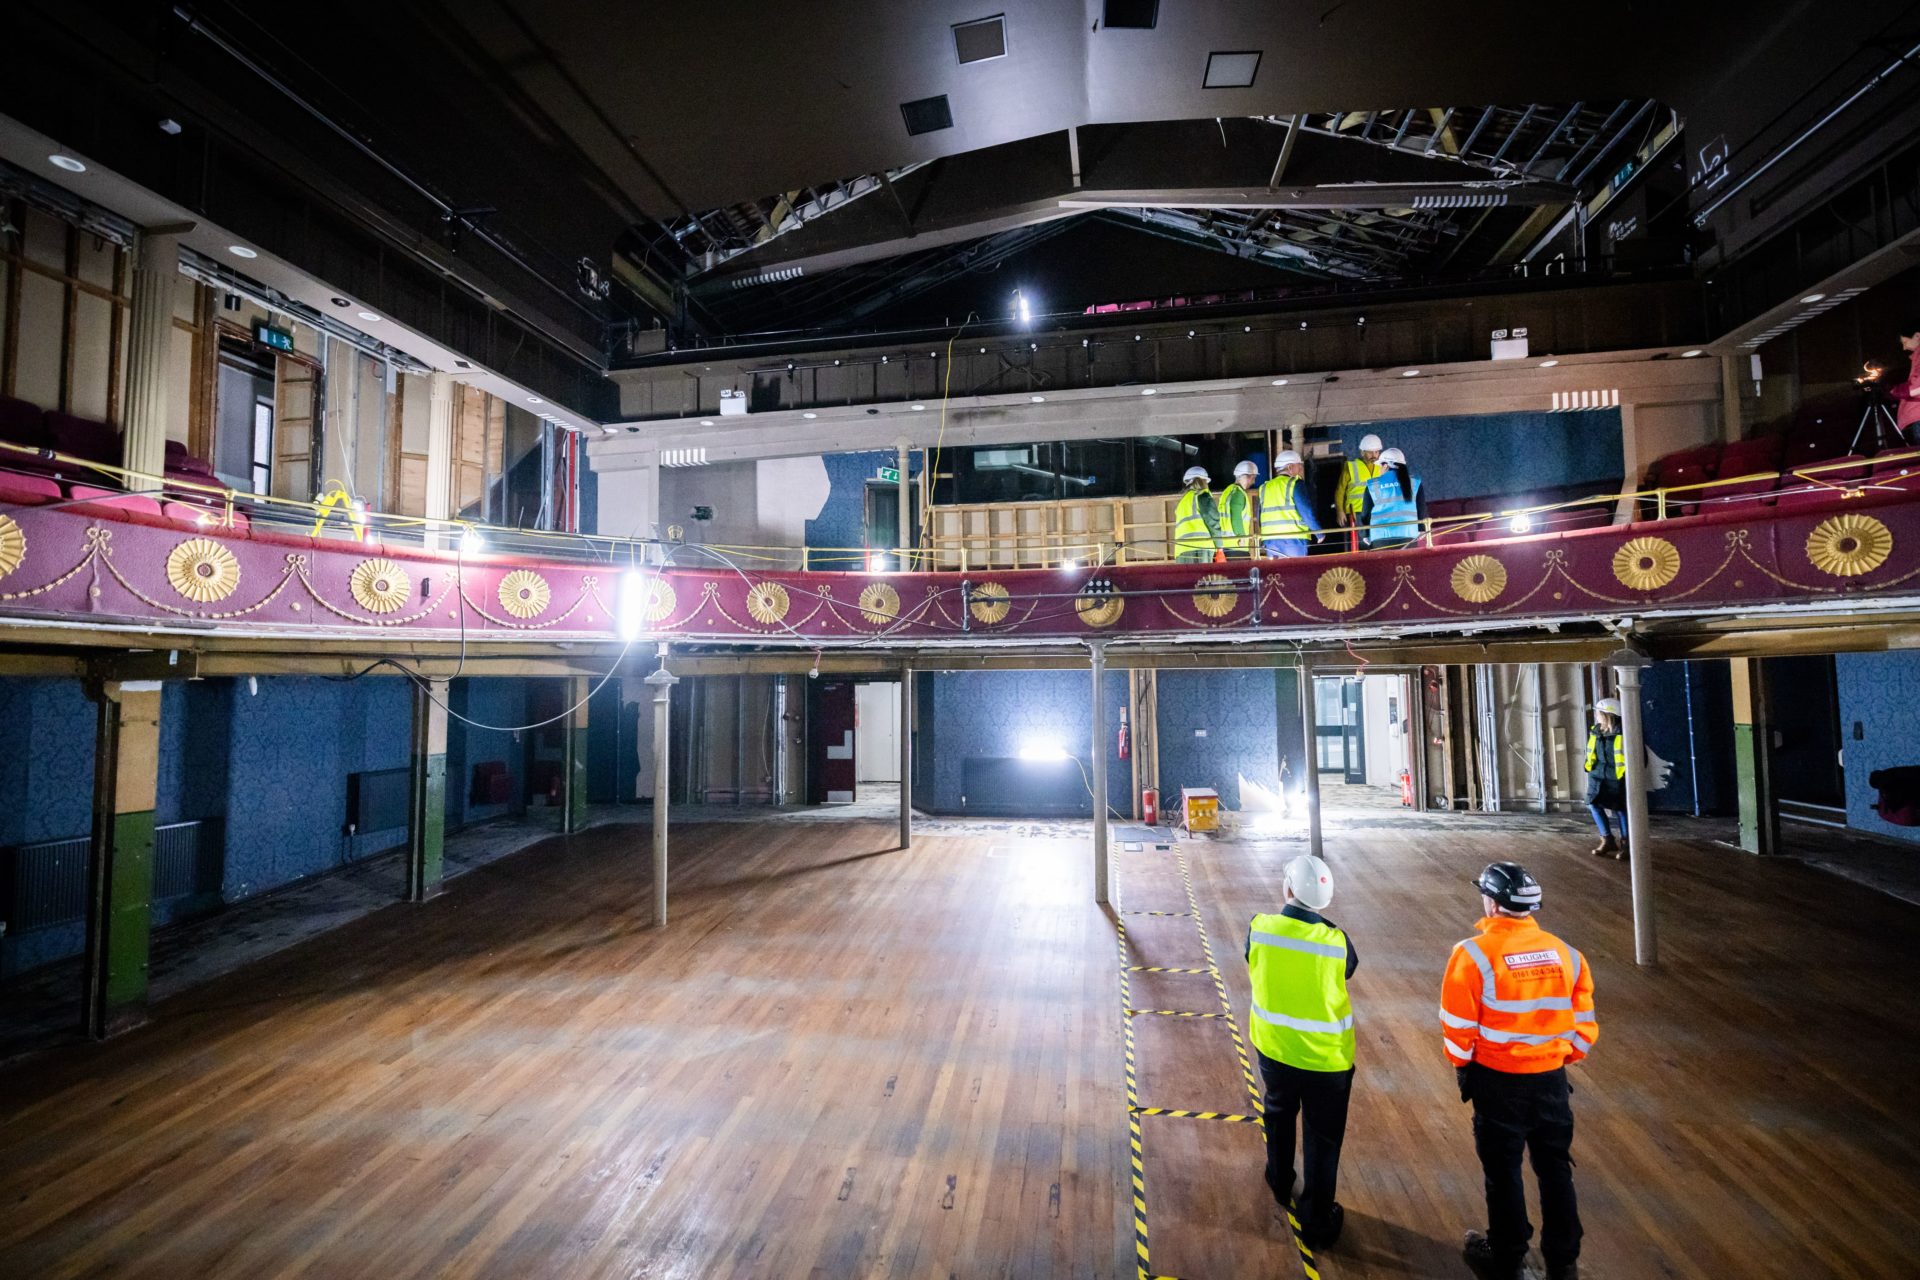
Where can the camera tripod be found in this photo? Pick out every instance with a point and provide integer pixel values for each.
(1878, 415)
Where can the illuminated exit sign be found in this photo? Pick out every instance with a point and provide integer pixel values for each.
(268, 336)
(890, 475)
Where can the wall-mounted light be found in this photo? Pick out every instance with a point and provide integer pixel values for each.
(1046, 750)
(634, 591)
(1521, 523)
(1022, 308)
(471, 543)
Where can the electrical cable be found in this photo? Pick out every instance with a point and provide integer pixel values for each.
(940, 437)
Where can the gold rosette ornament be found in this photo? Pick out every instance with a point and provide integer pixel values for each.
(1213, 595)
(1098, 605)
(379, 585)
(1341, 589)
(13, 545)
(991, 604)
(1646, 564)
(203, 570)
(660, 600)
(1478, 579)
(525, 594)
(1849, 545)
(879, 604)
(767, 602)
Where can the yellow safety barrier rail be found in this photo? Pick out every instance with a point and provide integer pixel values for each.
(221, 507)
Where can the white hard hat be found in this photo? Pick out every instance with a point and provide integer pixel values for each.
(1608, 706)
(1370, 444)
(1311, 882)
(1287, 458)
(1194, 473)
(1247, 469)
(1392, 456)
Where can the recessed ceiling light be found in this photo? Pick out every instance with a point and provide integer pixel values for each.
(1038, 399)
(68, 163)
(706, 422)
(919, 408)
(809, 415)
(1149, 391)
(1279, 382)
(1688, 355)
(1814, 297)
(535, 400)
(612, 431)
(1548, 364)
(1232, 70)
(340, 302)
(369, 317)
(1410, 373)
(241, 251)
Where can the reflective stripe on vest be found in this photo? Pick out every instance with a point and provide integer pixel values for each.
(1279, 517)
(1190, 532)
(1301, 1014)
(1593, 753)
(1396, 518)
(1236, 504)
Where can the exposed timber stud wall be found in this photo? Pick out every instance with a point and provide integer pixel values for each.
(120, 867)
(427, 811)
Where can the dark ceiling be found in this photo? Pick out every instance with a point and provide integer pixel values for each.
(740, 168)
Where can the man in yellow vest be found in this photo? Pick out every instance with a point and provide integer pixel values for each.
(1196, 521)
(1353, 485)
(1237, 528)
(1286, 513)
(1298, 964)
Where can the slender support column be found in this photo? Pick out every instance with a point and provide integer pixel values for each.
(427, 806)
(1753, 757)
(906, 757)
(439, 459)
(120, 863)
(1099, 762)
(906, 510)
(156, 273)
(1627, 665)
(573, 781)
(661, 682)
(1310, 734)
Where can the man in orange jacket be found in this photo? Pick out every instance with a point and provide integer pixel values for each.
(1517, 1006)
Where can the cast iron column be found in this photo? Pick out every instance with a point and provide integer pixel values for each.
(120, 862)
(1310, 734)
(1099, 762)
(906, 757)
(661, 682)
(1627, 665)
(573, 812)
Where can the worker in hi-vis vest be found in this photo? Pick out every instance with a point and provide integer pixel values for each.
(1516, 1006)
(1237, 527)
(1286, 512)
(1196, 521)
(1396, 506)
(1298, 964)
(1353, 486)
(1607, 778)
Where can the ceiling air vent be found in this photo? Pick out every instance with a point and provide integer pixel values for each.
(1137, 15)
(1232, 70)
(982, 40)
(927, 115)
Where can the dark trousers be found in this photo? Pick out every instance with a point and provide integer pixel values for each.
(1512, 1114)
(1319, 1099)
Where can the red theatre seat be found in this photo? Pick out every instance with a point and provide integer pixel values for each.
(27, 490)
(127, 506)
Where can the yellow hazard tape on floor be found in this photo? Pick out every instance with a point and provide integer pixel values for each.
(1197, 1115)
(1174, 1013)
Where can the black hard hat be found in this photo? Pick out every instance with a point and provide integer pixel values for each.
(1508, 884)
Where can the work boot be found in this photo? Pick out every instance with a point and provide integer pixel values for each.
(1622, 854)
(1487, 1265)
(1318, 1238)
(1607, 847)
(1565, 1271)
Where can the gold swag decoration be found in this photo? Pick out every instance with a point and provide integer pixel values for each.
(1213, 595)
(1341, 589)
(379, 585)
(1098, 605)
(879, 604)
(525, 594)
(203, 570)
(991, 603)
(1646, 564)
(1849, 545)
(13, 545)
(767, 602)
(1478, 579)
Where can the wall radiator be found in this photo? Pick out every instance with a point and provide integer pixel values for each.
(45, 884)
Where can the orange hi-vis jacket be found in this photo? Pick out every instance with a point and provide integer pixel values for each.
(1516, 999)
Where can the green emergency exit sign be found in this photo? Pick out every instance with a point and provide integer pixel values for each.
(268, 336)
(890, 475)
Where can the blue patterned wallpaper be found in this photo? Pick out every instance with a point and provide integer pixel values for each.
(1237, 710)
(1880, 693)
(1701, 748)
(490, 701)
(1512, 453)
(842, 519)
(46, 778)
(991, 713)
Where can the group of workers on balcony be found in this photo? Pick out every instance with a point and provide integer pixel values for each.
(1381, 504)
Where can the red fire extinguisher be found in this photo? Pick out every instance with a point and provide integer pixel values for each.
(1123, 733)
(1406, 790)
(1150, 806)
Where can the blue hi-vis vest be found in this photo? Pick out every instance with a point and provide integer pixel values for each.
(1395, 518)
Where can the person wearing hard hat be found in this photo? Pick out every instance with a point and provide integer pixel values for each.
(1395, 506)
(1516, 1007)
(1286, 514)
(1299, 964)
(1353, 485)
(1196, 520)
(1237, 511)
(1607, 778)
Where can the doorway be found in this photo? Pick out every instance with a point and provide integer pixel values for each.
(881, 534)
(876, 736)
(244, 408)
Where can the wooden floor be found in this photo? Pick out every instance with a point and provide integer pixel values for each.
(846, 1060)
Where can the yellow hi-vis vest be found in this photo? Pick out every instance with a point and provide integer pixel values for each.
(1236, 511)
(1190, 532)
(1353, 483)
(1593, 752)
(1301, 1014)
(1279, 518)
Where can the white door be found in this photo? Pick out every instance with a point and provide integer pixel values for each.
(876, 750)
